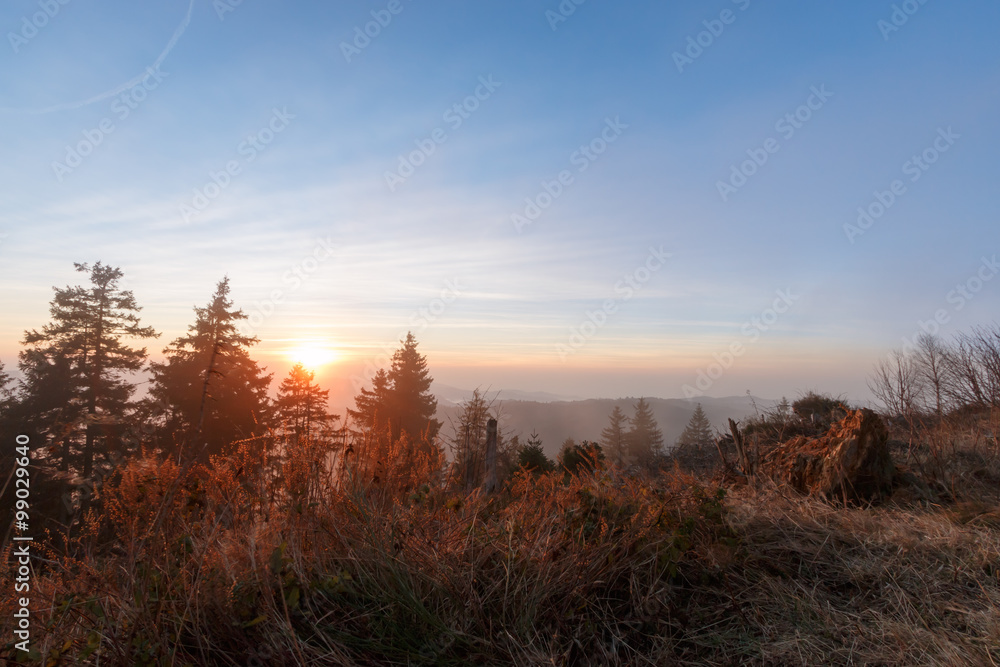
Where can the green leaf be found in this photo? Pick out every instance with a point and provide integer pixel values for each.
(292, 597)
(250, 624)
(93, 641)
(277, 557)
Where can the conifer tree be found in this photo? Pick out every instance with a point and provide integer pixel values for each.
(213, 392)
(614, 437)
(412, 406)
(49, 404)
(784, 408)
(574, 458)
(532, 457)
(698, 432)
(645, 437)
(469, 440)
(7, 403)
(6, 393)
(302, 406)
(7, 406)
(81, 356)
(372, 405)
(400, 396)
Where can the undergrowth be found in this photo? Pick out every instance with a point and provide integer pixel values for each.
(365, 563)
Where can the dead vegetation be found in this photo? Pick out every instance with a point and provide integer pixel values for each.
(850, 461)
(377, 559)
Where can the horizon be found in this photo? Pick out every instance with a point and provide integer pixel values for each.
(566, 198)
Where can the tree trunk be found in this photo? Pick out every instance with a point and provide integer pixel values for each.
(88, 452)
(490, 483)
(746, 464)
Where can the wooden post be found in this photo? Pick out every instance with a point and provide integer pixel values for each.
(490, 483)
(746, 464)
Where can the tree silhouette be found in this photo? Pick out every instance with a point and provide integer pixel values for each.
(784, 408)
(48, 404)
(6, 393)
(412, 404)
(576, 458)
(301, 405)
(469, 440)
(372, 405)
(645, 438)
(209, 386)
(8, 406)
(400, 396)
(80, 355)
(532, 457)
(614, 437)
(698, 432)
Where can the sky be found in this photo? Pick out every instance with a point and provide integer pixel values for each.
(588, 198)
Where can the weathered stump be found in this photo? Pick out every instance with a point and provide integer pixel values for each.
(851, 461)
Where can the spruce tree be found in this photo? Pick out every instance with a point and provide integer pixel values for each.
(8, 420)
(645, 437)
(784, 408)
(400, 396)
(49, 405)
(412, 406)
(614, 437)
(469, 441)
(7, 404)
(81, 357)
(372, 405)
(574, 458)
(301, 405)
(698, 432)
(212, 392)
(6, 393)
(532, 458)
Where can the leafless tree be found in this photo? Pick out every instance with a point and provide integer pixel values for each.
(896, 383)
(969, 383)
(933, 370)
(986, 341)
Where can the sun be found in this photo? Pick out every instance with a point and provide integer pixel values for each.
(313, 354)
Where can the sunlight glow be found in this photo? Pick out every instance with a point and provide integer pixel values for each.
(313, 354)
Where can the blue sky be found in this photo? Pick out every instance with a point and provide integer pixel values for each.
(538, 306)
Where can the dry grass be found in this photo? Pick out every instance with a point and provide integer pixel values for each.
(887, 585)
(229, 565)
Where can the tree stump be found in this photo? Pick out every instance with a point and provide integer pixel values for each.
(851, 461)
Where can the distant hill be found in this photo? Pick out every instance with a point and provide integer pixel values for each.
(554, 421)
(454, 395)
